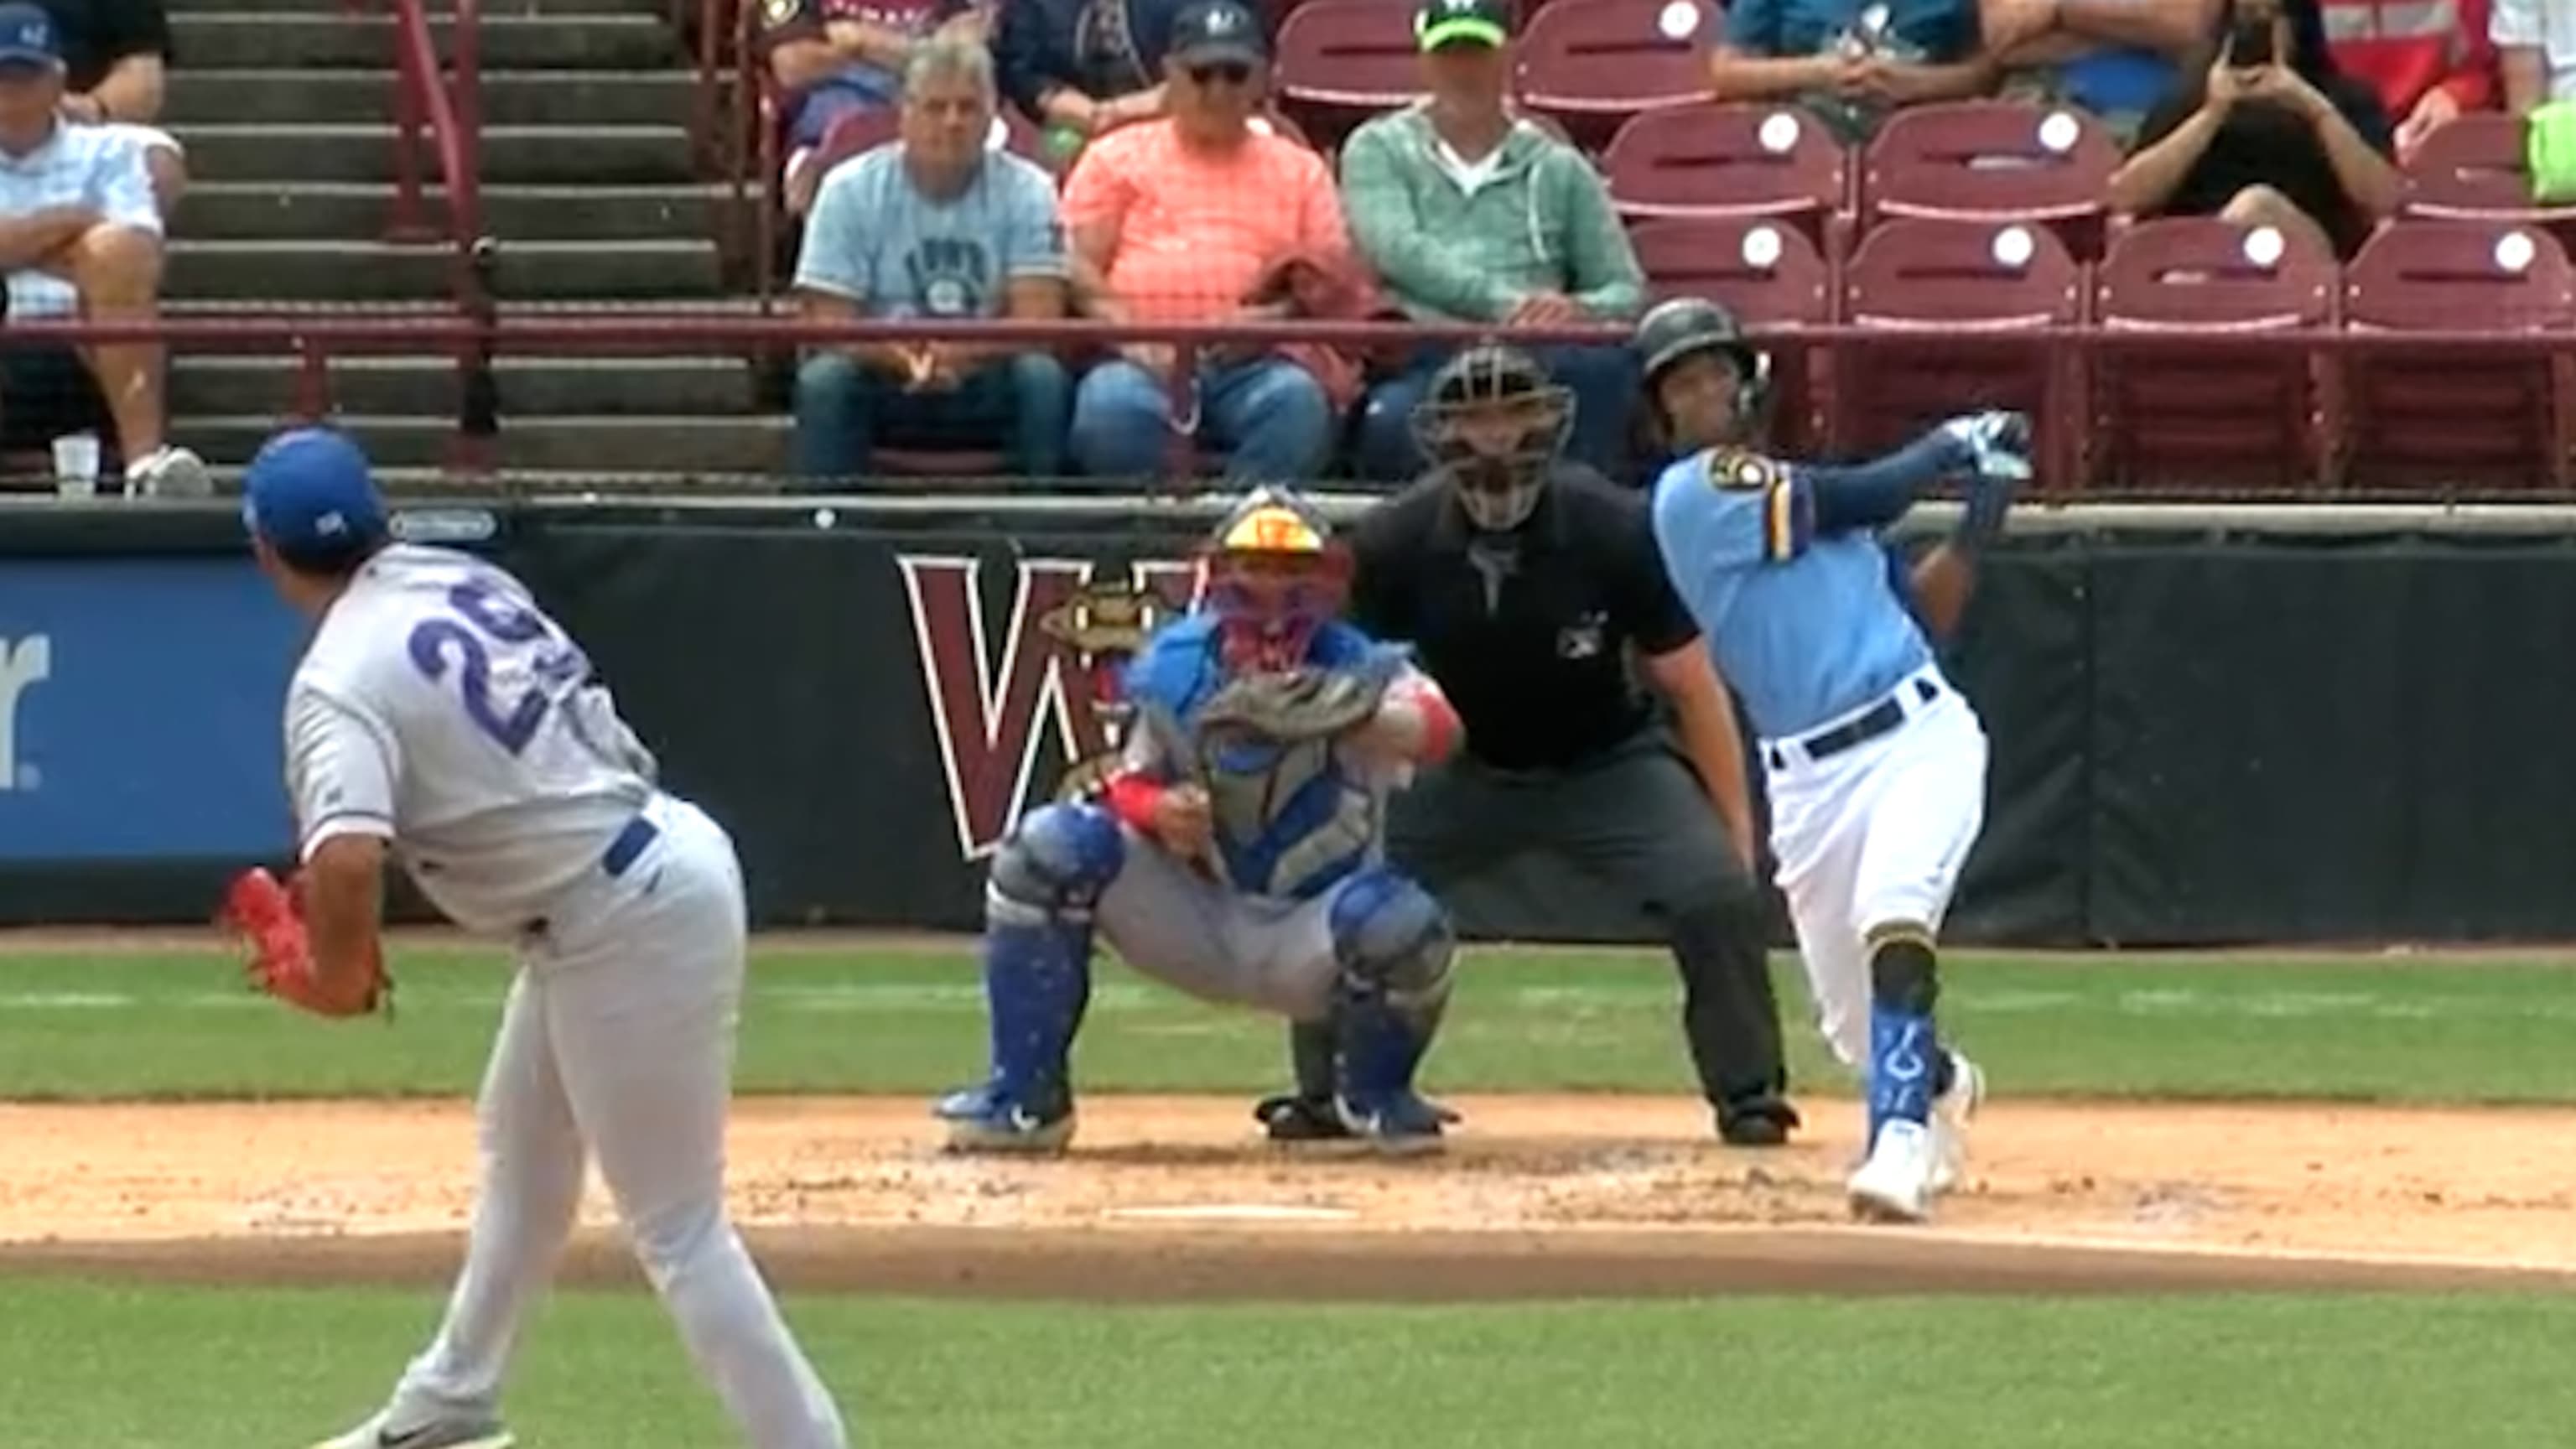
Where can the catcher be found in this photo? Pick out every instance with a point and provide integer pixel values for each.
(1236, 852)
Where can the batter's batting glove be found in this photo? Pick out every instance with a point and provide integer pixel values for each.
(1998, 443)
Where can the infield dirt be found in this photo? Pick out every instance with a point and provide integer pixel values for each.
(1171, 1197)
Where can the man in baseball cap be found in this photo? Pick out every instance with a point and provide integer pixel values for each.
(310, 502)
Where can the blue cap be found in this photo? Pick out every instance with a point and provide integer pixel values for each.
(310, 495)
(27, 36)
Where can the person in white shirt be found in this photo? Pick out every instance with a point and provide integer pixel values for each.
(440, 719)
(2535, 43)
(76, 203)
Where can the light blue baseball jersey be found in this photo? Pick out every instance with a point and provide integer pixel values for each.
(1807, 625)
(877, 241)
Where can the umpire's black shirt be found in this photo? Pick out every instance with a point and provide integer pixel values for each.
(1525, 631)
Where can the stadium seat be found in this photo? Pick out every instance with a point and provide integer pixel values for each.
(1720, 160)
(1592, 64)
(1770, 275)
(2462, 421)
(1993, 161)
(2476, 168)
(1340, 62)
(2179, 412)
(1932, 285)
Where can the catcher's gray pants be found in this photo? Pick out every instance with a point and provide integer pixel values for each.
(1635, 818)
(1174, 923)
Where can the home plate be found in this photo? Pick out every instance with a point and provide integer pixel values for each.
(1235, 1212)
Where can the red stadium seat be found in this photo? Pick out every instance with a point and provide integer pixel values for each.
(1340, 62)
(1927, 281)
(2449, 419)
(1720, 160)
(2182, 413)
(1594, 63)
(1993, 161)
(1770, 275)
(2476, 168)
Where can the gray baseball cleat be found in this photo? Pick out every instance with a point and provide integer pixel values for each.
(377, 1433)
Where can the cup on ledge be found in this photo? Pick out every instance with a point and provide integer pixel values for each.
(76, 465)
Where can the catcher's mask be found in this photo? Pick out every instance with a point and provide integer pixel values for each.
(1494, 421)
(1674, 333)
(1273, 576)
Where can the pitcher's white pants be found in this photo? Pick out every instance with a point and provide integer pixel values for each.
(1871, 837)
(619, 1035)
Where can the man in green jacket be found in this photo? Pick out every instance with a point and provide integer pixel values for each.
(1470, 214)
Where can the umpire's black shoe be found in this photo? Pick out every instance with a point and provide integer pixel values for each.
(1290, 1117)
(1759, 1122)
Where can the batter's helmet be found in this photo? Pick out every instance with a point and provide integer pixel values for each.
(1688, 326)
(1495, 421)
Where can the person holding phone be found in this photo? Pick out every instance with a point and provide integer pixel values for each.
(2273, 135)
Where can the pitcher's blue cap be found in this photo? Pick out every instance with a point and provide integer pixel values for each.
(27, 36)
(312, 496)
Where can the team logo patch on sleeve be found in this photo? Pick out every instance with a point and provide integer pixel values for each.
(1736, 470)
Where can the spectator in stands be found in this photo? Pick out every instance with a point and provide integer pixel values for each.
(836, 58)
(116, 61)
(2535, 43)
(1202, 217)
(2429, 60)
(1851, 68)
(2274, 135)
(76, 203)
(1469, 213)
(937, 224)
(2118, 59)
(1083, 68)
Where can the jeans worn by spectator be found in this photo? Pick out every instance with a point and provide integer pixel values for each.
(844, 408)
(1270, 414)
(1604, 380)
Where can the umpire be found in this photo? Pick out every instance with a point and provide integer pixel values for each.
(1523, 581)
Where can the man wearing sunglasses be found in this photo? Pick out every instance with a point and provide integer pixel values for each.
(1193, 218)
(1525, 585)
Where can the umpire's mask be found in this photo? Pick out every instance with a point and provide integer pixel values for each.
(1494, 422)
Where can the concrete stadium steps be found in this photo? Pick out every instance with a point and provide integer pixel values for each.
(512, 155)
(510, 98)
(317, 271)
(359, 211)
(693, 445)
(530, 386)
(246, 40)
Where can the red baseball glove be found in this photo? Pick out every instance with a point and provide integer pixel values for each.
(271, 918)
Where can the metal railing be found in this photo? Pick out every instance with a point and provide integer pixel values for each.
(441, 106)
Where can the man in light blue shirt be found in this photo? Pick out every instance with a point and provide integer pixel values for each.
(1875, 764)
(937, 224)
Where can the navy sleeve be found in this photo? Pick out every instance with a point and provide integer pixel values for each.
(1877, 493)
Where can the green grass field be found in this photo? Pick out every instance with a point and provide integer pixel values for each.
(143, 1366)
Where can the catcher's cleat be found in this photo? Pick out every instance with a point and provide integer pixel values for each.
(981, 1119)
(1764, 1121)
(436, 1434)
(1290, 1117)
(1399, 1124)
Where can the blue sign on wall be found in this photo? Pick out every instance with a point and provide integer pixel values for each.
(140, 702)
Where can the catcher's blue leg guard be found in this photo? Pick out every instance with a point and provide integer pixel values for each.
(1395, 947)
(1906, 1063)
(1046, 878)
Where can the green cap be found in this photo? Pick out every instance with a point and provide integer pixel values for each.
(1463, 22)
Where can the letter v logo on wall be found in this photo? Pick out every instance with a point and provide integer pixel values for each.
(994, 713)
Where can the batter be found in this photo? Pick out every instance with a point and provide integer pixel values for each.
(440, 718)
(1875, 763)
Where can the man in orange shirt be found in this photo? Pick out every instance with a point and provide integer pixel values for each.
(1193, 218)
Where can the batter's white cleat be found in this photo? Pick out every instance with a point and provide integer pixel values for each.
(1951, 1113)
(436, 1434)
(1895, 1184)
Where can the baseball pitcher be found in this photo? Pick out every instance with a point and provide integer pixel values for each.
(440, 718)
(1875, 764)
(1237, 851)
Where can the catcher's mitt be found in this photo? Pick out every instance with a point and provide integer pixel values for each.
(1299, 705)
(271, 918)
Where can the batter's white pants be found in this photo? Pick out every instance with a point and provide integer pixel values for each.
(1874, 836)
(619, 1036)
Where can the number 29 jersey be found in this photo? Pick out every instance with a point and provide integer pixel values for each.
(438, 708)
